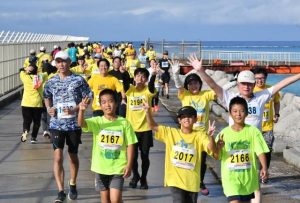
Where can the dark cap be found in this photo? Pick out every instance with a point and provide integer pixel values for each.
(186, 111)
(81, 58)
(192, 77)
(165, 52)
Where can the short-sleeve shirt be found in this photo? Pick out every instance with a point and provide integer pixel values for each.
(98, 83)
(135, 112)
(255, 106)
(268, 114)
(201, 103)
(65, 93)
(238, 159)
(182, 157)
(110, 141)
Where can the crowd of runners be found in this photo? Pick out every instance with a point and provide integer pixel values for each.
(122, 85)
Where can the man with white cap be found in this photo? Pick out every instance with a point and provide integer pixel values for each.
(31, 59)
(63, 92)
(245, 83)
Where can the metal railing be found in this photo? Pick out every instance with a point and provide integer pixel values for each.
(183, 49)
(14, 49)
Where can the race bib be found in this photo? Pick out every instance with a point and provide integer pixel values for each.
(266, 115)
(253, 109)
(164, 64)
(136, 103)
(183, 157)
(60, 110)
(110, 139)
(239, 160)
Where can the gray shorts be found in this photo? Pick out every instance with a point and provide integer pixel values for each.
(104, 182)
(269, 138)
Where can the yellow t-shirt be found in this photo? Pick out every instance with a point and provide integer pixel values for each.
(182, 157)
(98, 83)
(89, 61)
(131, 65)
(135, 112)
(151, 54)
(267, 121)
(77, 70)
(26, 63)
(32, 97)
(94, 69)
(42, 57)
(129, 52)
(80, 52)
(201, 103)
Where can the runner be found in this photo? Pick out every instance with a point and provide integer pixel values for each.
(165, 66)
(32, 59)
(183, 153)
(32, 101)
(43, 57)
(137, 117)
(103, 81)
(269, 118)
(245, 83)
(155, 70)
(63, 92)
(238, 146)
(190, 94)
(113, 139)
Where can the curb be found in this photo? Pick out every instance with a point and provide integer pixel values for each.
(11, 96)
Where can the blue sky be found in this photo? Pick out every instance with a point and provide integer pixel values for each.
(216, 20)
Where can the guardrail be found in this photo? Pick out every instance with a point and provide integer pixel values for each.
(14, 49)
(183, 49)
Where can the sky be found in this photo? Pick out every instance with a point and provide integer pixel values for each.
(138, 20)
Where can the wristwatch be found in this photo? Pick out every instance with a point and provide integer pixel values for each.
(277, 114)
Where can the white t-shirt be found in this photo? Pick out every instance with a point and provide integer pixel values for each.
(256, 106)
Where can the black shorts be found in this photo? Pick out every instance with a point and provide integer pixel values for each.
(180, 195)
(165, 77)
(72, 138)
(241, 197)
(104, 182)
(145, 140)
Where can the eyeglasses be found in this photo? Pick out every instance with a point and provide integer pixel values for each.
(263, 78)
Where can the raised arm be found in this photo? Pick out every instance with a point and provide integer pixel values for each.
(175, 70)
(212, 144)
(197, 65)
(285, 82)
(152, 124)
(82, 107)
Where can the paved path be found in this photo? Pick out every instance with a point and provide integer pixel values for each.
(26, 169)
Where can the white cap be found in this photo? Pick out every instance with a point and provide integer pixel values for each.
(62, 55)
(98, 56)
(246, 76)
(55, 47)
(53, 63)
(42, 48)
(32, 51)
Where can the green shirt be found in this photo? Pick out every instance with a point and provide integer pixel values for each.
(238, 160)
(110, 141)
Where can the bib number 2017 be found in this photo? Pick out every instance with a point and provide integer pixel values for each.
(183, 156)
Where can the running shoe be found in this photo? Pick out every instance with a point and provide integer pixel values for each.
(204, 191)
(33, 141)
(167, 96)
(61, 196)
(72, 192)
(46, 134)
(134, 181)
(24, 136)
(144, 184)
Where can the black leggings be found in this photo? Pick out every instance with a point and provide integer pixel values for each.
(32, 114)
(203, 168)
(145, 162)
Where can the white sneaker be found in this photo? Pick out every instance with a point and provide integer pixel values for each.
(46, 134)
(24, 136)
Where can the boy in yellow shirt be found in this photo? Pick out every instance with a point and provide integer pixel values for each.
(137, 117)
(183, 153)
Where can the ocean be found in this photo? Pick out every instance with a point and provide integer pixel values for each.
(261, 46)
